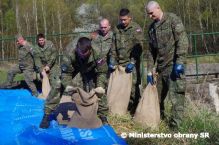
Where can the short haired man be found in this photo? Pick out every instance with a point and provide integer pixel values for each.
(25, 64)
(168, 46)
(127, 52)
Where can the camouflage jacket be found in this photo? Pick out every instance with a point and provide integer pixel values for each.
(168, 42)
(103, 44)
(128, 44)
(45, 56)
(91, 70)
(25, 57)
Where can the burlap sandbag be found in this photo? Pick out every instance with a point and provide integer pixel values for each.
(86, 114)
(119, 91)
(148, 109)
(45, 86)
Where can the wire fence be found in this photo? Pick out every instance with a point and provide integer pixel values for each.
(203, 48)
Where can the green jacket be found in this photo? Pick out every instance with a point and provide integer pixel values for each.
(45, 56)
(128, 44)
(168, 42)
(91, 70)
(25, 57)
(103, 44)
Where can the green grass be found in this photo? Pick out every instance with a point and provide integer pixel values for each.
(3, 76)
(197, 120)
(204, 59)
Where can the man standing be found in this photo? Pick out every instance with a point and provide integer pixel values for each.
(83, 60)
(25, 64)
(168, 46)
(128, 51)
(102, 41)
(45, 54)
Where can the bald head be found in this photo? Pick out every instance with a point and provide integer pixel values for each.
(154, 11)
(152, 4)
(104, 26)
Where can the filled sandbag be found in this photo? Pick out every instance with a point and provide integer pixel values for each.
(119, 91)
(85, 115)
(148, 109)
(45, 86)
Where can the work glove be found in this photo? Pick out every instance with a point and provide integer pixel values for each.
(178, 70)
(99, 91)
(129, 67)
(64, 68)
(37, 69)
(111, 67)
(150, 78)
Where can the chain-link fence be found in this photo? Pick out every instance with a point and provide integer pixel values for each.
(204, 47)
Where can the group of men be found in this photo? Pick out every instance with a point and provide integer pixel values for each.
(97, 55)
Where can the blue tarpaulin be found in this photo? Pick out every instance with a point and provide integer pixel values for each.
(21, 113)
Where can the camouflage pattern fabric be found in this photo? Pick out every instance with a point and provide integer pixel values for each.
(168, 45)
(47, 56)
(25, 66)
(128, 47)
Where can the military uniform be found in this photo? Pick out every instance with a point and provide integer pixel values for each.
(92, 72)
(168, 46)
(25, 66)
(102, 45)
(47, 56)
(128, 47)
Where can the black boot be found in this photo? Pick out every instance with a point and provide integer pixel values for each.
(45, 121)
(104, 120)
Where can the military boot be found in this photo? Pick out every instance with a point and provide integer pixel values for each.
(104, 120)
(45, 121)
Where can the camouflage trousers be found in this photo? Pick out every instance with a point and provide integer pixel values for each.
(174, 88)
(28, 77)
(135, 91)
(54, 95)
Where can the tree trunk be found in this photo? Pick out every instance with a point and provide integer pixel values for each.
(35, 15)
(2, 33)
(17, 17)
(44, 16)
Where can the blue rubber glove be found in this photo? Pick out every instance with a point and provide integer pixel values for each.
(111, 67)
(150, 78)
(129, 67)
(64, 68)
(178, 69)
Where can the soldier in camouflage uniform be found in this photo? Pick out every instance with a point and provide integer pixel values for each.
(45, 55)
(25, 64)
(102, 40)
(168, 46)
(83, 60)
(127, 51)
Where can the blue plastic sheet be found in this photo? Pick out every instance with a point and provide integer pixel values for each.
(21, 113)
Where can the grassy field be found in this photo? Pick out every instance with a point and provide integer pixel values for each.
(197, 120)
(204, 59)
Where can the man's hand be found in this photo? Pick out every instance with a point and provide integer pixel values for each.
(150, 78)
(178, 69)
(111, 67)
(99, 90)
(46, 68)
(129, 67)
(44, 73)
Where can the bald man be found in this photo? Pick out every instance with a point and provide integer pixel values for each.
(102, 42)
(168, 47)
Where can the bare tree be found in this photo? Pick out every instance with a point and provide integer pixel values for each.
(44, 16)
(2, 33)
(35, 15)
(17, 17)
